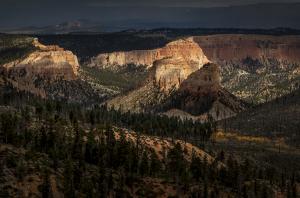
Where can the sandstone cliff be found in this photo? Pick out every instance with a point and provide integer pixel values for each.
(251, 52)
(186, 49)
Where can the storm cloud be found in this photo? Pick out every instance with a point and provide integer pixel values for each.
(152, 13)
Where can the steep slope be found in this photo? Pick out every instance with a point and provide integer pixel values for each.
(176, 84)
(255, 67)
(201, 94)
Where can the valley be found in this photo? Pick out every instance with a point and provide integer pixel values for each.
(150, 114)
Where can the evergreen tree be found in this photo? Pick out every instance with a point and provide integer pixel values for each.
(155, 164)
(144, 164)
(195, 167)
(69, 189)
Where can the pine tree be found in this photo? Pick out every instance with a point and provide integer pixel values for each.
(69, 189)
(176, 161)
(155, 164)
(195, 167)
(144, 164)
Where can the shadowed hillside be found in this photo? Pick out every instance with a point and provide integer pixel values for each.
(278, 118)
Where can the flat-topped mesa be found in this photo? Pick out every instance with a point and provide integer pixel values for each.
(50, 62)
(186, 49)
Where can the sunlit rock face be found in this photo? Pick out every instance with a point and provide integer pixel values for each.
(51, 62)
(186, 49)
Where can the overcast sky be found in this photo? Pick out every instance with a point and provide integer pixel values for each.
(158, 3)
(153, 13)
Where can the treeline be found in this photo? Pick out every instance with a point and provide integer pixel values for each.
(150, 124)
(82, 148)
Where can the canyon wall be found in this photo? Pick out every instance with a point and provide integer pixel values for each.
(252, 51)
(186, 49)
